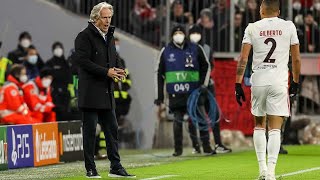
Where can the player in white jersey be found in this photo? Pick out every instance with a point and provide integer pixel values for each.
(272, 39)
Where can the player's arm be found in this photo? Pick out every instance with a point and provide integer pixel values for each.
(243, 60)
(296, 62)
(242, 64)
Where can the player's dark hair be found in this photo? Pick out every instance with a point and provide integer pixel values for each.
(271, 6)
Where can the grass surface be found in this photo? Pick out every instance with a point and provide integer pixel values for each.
(148, 164)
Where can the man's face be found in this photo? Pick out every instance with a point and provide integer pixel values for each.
(252, 4)
(205, 21)
(103, 22)
(222, 4)
(178, 10)
(309, 19)
(237, 20)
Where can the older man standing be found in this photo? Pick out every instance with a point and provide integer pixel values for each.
(96, 58)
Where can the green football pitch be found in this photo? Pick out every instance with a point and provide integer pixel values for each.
(302, 162)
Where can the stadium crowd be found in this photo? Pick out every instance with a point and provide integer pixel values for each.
(147, 18)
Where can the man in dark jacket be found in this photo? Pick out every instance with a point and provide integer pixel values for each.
(62, 87)
(20, 55)
(183, 67)
(95, 55)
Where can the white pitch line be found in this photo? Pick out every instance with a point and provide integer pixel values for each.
(160, 177)
(299, 172)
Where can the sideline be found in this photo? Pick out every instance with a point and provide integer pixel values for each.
(160, 177)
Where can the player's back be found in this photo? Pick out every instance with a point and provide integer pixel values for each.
(271, 39)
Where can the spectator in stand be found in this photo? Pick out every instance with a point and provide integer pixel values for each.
(179, 16)
(251, 13)
(37, 94)
(195, 6)
(297, 12)
(240, 5)
(238, 31)
(20, 55)
(143, 20)
(221, 18)
(13, 109)
(208, 29)
(309, 40)
(62, 85)
(31, 61)
(316, 11)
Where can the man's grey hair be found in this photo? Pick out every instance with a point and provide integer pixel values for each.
(95, 12)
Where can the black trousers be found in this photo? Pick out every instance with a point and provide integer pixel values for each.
(177, 130)
(109, 126)
(204, 135)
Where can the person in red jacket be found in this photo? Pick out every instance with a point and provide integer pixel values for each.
(37, 94)
(13, 109)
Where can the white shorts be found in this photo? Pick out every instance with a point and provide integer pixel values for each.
(271, 100)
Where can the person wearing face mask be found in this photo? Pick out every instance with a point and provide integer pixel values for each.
(62, 86)
(182, 68)
(13, 108)
(20, 55)
(31, 61)
(37, 94)
(195, 37)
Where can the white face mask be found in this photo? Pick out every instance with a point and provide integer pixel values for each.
(58, 52)
(296, 5)
(33, 59)
(46, 82)
(25, 43)
(178, 38)
(23, 78)
(317, 6)
(195, 37)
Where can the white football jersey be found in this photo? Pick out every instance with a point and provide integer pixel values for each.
(271, 39)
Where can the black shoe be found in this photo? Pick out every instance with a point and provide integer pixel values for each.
(93, 174)
(207, 150)
(177, 153)
(282, 150)
(120, 173)
(196, 149)
(222, 149)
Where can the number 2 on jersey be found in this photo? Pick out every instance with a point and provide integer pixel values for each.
(273, 47)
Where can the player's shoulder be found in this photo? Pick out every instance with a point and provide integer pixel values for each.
(288, 22)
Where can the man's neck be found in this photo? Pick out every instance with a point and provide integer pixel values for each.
(100, 31)
(270, 16)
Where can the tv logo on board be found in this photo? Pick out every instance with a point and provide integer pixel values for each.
(45, 148)
(72, 142)
(20, 147)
